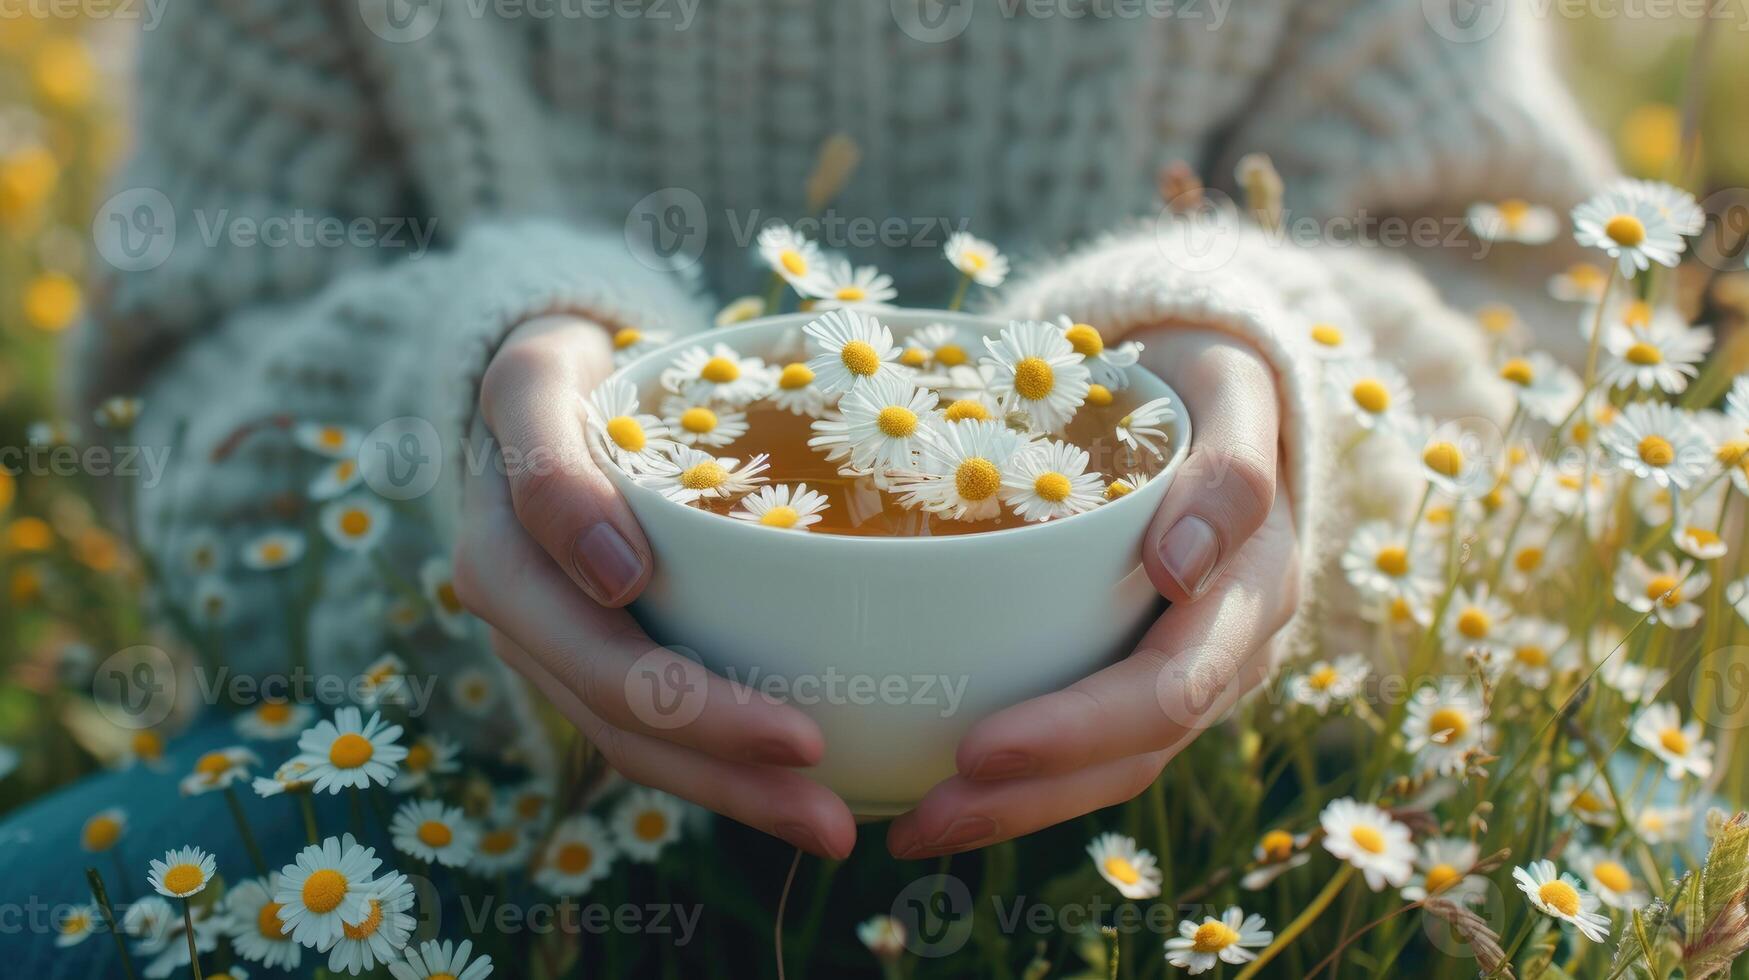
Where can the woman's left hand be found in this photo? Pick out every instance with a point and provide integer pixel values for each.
(1224, 550)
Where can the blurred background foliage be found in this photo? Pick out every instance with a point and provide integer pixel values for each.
(67, 583)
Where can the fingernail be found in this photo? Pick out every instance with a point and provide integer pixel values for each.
(964, 832)
(607, 564)
(802, 837)
(1189, 551)
(1003, 765)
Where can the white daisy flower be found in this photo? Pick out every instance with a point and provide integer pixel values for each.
(1538, 650)
(335, 479)
(273, 721)
(976, 259)
(203, 552)
(796, 392)
(688, 475)
(503, 847)
(1446, 723)
(1108, 366)
(961, 471)
(1608, 877)
(1661, 357)
(1729, 433)
(1513, 220)
(1038, 372)
(434, 833)
(1144, 428)
(103, 829)
(384, 681)
(77, 923)
(1228, 939)
(149, 920)
(254, 926)
(631, 342)
(473, 691)
(275, 549)
(850, 347)
(356, 524)
(1332, 342)
(530, 802)
(1125, 485)
(332, 441)
(1448, 459)
(1368, 838)
(1546, 389)
(441, 961)
(184, 872)
(1379, 564)
(350, 752)
(1372, 393)
(691, 424)
(172, 954)
(717, 375)
(1562, 897)
(326, 888)
(881, 425)
(385, 929)
(1474, 622)
(1277, 852)
(292, 776)
(1632, 229)
(578, 853)
(1636, 683)
(437, 584)
(118, 413)
(1667, 591)
(798, 261)
(884, 936)
(945, 346)
(977, 408)
(645, 822)
(1699, 542)
(630, 438)
(782, 506)
(1502, 324)
(1657, 442)
(1585, 795)
(1050, 480)
(1580, 282)
(843, 284)
(1659, 730)
(218, 769)
(1442, 869)
(1324, 683)
(1662, 824)
(1131, 870)
(1676, 204)
(1737, 594)
(740, 310)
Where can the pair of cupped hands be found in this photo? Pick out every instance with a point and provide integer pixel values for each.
(550, 555)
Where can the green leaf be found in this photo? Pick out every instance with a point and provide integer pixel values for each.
(1725, 880)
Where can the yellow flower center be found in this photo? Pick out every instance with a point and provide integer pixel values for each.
(1666, 587)
(1474, 622)
(1370, 839)
(1513, 211)
(272, 552)
(1734, 452)
(1528, 559)
(344, 469)
(1585, 275)
(1613, 876)
(419, 757)
(101, 832)
(698, 421)
(780, 516)
(1033, 378)
(497, 841)
(1673, 740)
(1625, 230)
(1561, 897)
(975, 261)
(324, 890)
(1518, 371)
(793, 262)
(1371, 395)
(1327, 334)
(1392, 560)
(977, 479)
(1442, 876)
(147, 745)
(967, 410)
(795, 377)
(367, 928)
(1278, 845)
(1589, 802)
(1447, 725)
(447, 598)
(860, 358)
(851, 294)
(896, 422)
(529, 805)
(433, 833)
(1053, 487)
(626, 337)
(183, 879)
(1644, 354)
(1495, 318)
(914, 357)
(267, 921)
(1443, 458)
(574, 858)
(212, 765)
(951, 355)
(705, 476)
(1118, 488)
(1323, 678)
(350, 751)
(626, 433)
(1531, 656)
(650, 825)
(1120, 868)
(1086, 340)
(720, 371)
(74, 923)
(354, 523)
(331, 437)
(1099, 396)
(1212, 937)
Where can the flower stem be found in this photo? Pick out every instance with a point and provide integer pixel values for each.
(249, 844)
(1299, 925)
(188, 931)
(309, 810)
(101, 894)
(959, 295)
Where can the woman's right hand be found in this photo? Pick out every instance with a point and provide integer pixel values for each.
(548, 553)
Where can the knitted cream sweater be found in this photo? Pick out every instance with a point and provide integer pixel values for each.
(526, 141)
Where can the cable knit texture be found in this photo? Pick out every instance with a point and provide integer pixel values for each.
(525, 143)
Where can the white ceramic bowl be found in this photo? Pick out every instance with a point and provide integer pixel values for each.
(895, 646)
